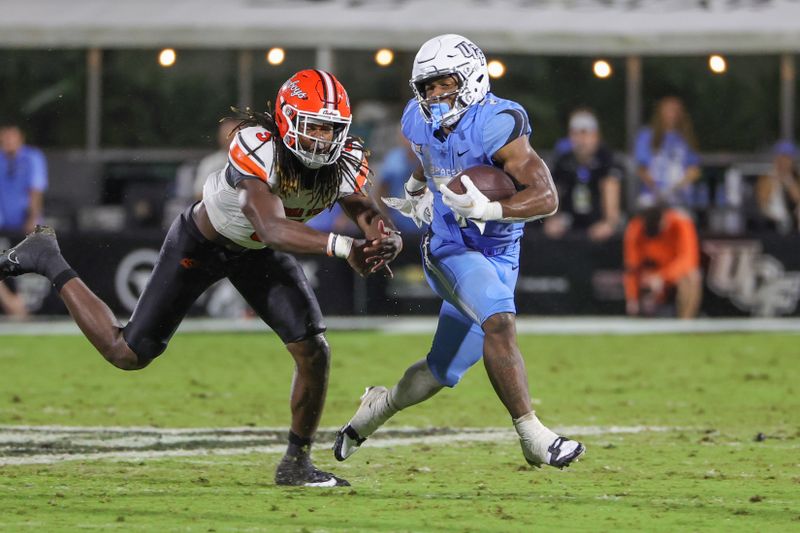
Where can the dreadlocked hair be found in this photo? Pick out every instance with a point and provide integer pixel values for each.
(293, 176)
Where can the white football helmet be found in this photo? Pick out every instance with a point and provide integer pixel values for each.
(453, 55)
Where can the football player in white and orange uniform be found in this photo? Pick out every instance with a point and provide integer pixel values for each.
(282, 170)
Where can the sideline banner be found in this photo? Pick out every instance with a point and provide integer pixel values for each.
(742, 277)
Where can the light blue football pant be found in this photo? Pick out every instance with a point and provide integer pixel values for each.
(474, 285)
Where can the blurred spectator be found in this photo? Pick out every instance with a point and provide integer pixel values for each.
(588, 182)
(778, 192)
(11, 303)
(397, 166)
(217, 160)
(562, 146)
(23, 180)
(666, 158)
(662, 264)
(190, 177)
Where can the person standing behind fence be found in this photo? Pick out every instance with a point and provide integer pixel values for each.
(778, 191)
(588, 182)
(23, 178)
(666, 159)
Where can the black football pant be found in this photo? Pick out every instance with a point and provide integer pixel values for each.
(272, 283)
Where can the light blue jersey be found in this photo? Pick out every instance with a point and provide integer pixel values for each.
(481, 132)
(475, 274)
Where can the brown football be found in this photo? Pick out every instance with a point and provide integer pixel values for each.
(491, 181)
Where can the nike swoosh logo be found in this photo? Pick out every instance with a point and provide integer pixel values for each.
(515, 267)
(329, 483)
(12, 256)
(462, 153)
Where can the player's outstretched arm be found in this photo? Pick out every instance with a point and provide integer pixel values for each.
(362, 210)
(265, 212)
(539, 197)
(384, 240)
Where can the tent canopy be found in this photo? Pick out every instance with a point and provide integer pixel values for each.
(614, 27)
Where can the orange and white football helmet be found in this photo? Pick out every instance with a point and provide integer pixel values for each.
(313, 96)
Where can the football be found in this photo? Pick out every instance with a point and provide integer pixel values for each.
(491, 181)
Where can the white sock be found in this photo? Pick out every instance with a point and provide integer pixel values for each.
(416, 385)
(372, 415)
(536, 436)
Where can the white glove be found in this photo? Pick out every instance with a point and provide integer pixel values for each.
(473, 204)
(418, 208)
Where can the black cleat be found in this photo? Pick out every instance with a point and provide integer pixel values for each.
(30, 255)
(300, 472)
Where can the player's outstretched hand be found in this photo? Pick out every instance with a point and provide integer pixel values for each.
(382, 251)
(358, 257)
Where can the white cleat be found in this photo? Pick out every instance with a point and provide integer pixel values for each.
(561, 453)
(371, 414)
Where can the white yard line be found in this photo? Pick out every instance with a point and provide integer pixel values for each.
(23, 445)
(612, 325)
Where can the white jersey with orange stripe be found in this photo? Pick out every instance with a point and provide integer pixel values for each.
(251, 155)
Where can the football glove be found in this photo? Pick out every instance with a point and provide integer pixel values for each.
(472, 205)
(418, 208)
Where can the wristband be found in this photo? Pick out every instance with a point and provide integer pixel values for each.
(494, 211)
(329, 247)
(339, 245)
(414, 187)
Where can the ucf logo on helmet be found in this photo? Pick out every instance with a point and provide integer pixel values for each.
(471, 50)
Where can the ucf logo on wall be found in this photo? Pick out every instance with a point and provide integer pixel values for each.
(753, 281)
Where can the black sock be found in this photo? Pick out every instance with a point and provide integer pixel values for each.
(53, 266)
(298, 446)
(61, 279)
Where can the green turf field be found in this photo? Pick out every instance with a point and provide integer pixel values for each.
(705, 398)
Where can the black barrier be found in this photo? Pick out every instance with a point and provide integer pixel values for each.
(744, 276)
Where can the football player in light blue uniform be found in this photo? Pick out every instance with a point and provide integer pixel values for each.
(471, 251)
